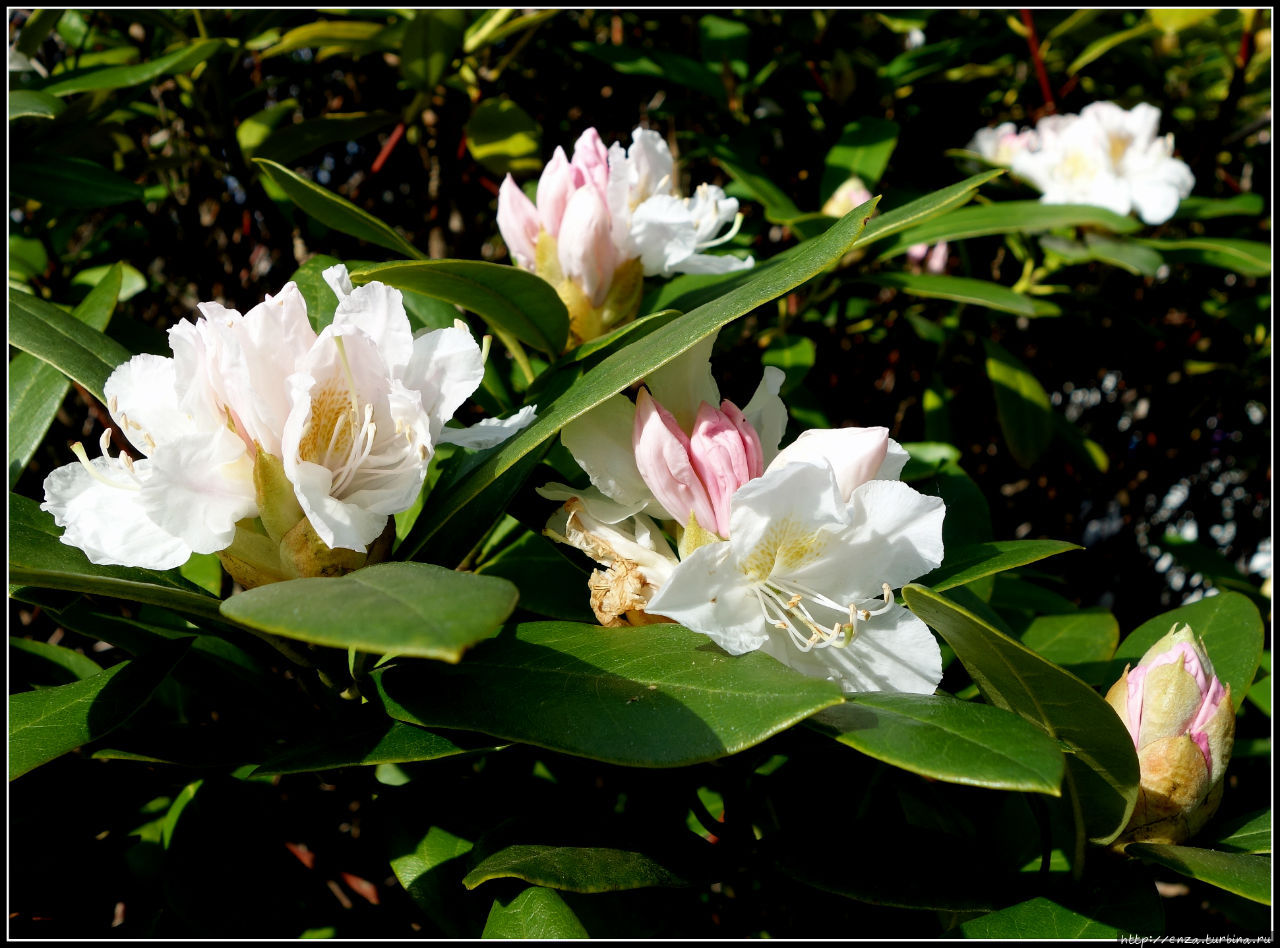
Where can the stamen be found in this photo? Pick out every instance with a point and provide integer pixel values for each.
(727, 236)
(346, 370)
(78, 450)
(485, 342)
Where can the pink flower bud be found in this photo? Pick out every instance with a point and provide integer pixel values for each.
(591, 158)
(587, 254)
(936, 262)
(518, 223)
(559, 181)
(723, 457)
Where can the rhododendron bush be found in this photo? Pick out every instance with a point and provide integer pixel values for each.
(641, 474)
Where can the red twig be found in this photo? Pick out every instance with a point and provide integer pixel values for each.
(1033, 42)
(392, 140)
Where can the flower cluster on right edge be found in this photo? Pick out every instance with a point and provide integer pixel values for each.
(1183, 725)
(1106, 156)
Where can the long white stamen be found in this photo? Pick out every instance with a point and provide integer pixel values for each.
(78, 450)
(726, 236)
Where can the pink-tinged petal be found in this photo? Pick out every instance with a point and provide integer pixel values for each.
(592, 158)
(685, 382)
(662, 457)
(556, 186)
(719, 454)
(855, 454)
(917, 252)
(518, 223)
(766, 413)
(936, 262)
(587, 254)
(750, 438)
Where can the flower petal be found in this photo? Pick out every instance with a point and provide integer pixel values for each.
(600, 441)
(855, 454)
(490, 431)
(684, 383)
(708, 594)
(200, 486)
(446, 368)
(895, 533)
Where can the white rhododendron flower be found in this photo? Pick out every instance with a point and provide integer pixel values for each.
(608, 217)
(1106, 156)
(794, 551)
(353, 414)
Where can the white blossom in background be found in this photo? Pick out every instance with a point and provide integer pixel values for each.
(793, 552)
(352, 414)
(1106, 156)
(605, 218)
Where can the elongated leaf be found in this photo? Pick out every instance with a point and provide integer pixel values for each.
(385, 742)
(1022, 405)
(506, 297)
(403, 609)
(67, 181)
(29, 103)
(1126, 254)
(1075, 638)
(45, 724)
(1228, 623)
(668, 67)
(356, 36)
(534, 913)
(1246, 875)
(1040, 918)
(66, 343)
(1202, 208)
(863, 150)
(1246, 257)
(334, 211)
(1250, 833)
(1006, 217)
(430, 41)
(963, 290)
(38, 558)
(659, 697)
(292, 141)
(573, 868)
(966, 563)
(49, 662)
(1013, 677)
(122, 77)
(945, 739)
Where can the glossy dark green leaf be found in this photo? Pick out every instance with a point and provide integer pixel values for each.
(506, 297)
(68, 181)
(963, 290)
(1250, 833)
(945, 739)
(336, 212)
(1246, 257)
(290, 142)
(387, 742)
(536, 912)
(863, 149)
(430, 41)
(661, 696)
(38, 558)
(573, 868)
(1022, 405)
(60, 339)
(1006, 217)
(388, 609)
(122, 77)
(1075, 638)
(1203, 208)
(1228, 623)
(1013, 677)
(47, 723)
(1243, 874)
(1126, 254)
(964, 564)
(504, 137)
(550, 584)
(29, 103)
(61, 665)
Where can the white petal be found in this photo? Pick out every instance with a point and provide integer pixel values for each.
(766, 412)
(339, 524)
(490, 431)
(143, 400)
(855, 454)
(787, 522)
(894, 461)
(712, 263)
(685, 382)
(377, 310)
(895, 534)
(338, 280)
(664, 231)
(446, 368)
(201, 485)
(708, 594)
(109, 523)
(597, 505)
(600, 441)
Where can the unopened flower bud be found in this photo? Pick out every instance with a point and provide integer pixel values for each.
(1182, 722)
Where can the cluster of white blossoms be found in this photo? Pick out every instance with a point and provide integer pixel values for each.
(1106, 156)
(608, 217)
(793, 551)
(348, 418)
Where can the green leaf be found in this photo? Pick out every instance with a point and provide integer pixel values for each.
(1013, 677)
(1022, 405)
(293, 141)
(1007, 217)
(1260, 695)
(1250, 833)
(1126, 254)
(131, 282)
(964, 564)
(942, 738)
(45, 724)
(354, 36)
(1232, 631)
(336, 212)
(430, 871)
(29, 103)
(122, 77)
(65, 665)
(404, 609)
(1074, 639)
(38, 558)
(1039, 918)
(63, 341)
(661, 696)
(574, 868)
(385, 742)
(1246, 257)
(67, 181)
(963, 290)
(863, 150)
(430, 41)
(504, 137)
(1171, 21)
(1246, 875)
(658, 63)
(1202, 208)
(34, 31)
(1105, 44)
(534, 913)
(1217, 570)
(506, 297)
